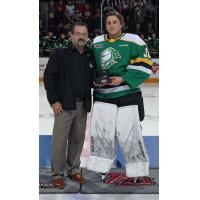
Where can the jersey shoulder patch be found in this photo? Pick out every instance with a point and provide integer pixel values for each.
(99, 39)
(133, 38)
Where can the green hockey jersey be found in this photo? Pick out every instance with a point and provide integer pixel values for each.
(128, 57)
(61, 43)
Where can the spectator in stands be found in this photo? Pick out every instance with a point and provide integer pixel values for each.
(41, 24)
(49, 43)
(69, 35)
(61, 6)
(97, 22)
(150, 9)
(150, 17)
(150, 29)
(137, 29)
(87, 12)
(67, 83)
(125, 5)
(60, 14)
(80, 7)
(62, 42)
(67, 25)
(134, 11)
(153, 45)
(51, 3)
(87, 17)
(108, 8)
(125, 11)
(70, 7)
(130, 18)
(142, 36)
(78, 16)
(139, 17)
(51, 14)
(41, 40)
(60, 28)
(80, 1)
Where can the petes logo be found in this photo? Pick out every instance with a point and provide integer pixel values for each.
(109, 57)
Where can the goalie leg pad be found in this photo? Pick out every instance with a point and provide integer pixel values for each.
(99, 164)
(130, 139)
(102, 144)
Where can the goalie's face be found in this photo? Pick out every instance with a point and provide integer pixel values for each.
(113, 26)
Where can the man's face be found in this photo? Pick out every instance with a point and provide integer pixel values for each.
(113, 25)
(142, 36)
(153, 35)
(79, 36)
(50, 34)
(62, 36)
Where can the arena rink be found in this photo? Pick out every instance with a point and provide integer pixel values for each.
(150, 127)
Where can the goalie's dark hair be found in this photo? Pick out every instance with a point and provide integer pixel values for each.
(118, 15)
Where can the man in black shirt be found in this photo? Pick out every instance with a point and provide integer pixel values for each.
(67, 80)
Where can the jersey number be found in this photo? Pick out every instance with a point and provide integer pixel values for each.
(146, 53)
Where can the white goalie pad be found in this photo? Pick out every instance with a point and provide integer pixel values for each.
(130, 139)
(99, 164)
(102, 144)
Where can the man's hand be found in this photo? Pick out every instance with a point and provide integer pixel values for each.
(116, 80)
(57, 108)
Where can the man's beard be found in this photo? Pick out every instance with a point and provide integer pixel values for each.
(81, 42)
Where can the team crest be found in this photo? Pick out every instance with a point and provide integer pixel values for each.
(109, 57)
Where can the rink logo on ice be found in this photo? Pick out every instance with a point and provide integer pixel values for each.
(117, 178)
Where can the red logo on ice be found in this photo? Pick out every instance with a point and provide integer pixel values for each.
(117, 178)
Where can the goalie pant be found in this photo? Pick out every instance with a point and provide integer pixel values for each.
(108, 121)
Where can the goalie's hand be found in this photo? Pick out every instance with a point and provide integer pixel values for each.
(116, 80)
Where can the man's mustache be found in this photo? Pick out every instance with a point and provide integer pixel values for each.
(81, 40)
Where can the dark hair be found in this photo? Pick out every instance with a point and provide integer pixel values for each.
(78, 23)
(118, 15)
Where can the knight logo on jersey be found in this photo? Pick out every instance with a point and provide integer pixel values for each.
(109, 57)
